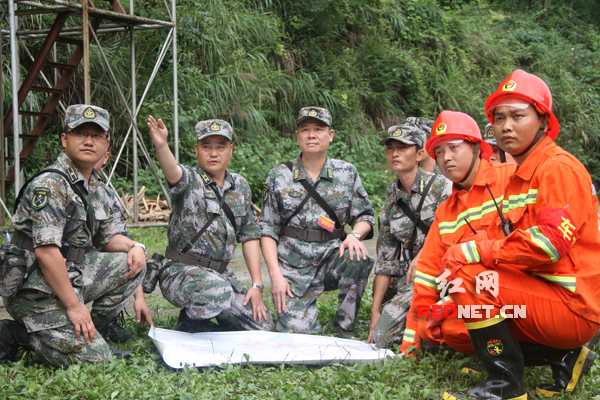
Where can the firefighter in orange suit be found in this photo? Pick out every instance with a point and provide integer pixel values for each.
(548, 261)
(462, 157)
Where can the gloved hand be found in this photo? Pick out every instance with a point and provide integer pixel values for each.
(404, 348)
(434, 325)
(467, 253)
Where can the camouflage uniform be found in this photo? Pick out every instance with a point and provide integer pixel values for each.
(395, 235)
(48, 202)
(313, 267)
(117, 212)
(203, 292)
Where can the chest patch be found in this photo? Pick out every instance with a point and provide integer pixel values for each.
(295, 193)
(210, 195)
(41, 195)
(397, 215)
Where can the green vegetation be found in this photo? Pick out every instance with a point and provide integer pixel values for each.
(255, 63)
(145, 376)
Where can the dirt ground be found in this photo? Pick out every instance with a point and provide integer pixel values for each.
(237, 265)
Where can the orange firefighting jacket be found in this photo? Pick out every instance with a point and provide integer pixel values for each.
(550, 177)
(449, 227)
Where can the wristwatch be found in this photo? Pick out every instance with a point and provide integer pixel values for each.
(260, 287)
(357, 235)
(139, 245)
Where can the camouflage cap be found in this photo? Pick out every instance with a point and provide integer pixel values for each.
(412, 130)
(78, 114)
(320, 113)
(488, 135)
(213, 127)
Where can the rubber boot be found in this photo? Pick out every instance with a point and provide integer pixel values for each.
(110, 329)
(12, 336)
(187, 324)
(118, 353)
(568, 366)
(498, 349)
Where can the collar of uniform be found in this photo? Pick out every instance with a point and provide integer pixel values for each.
(326, 172)
(69, 167)
(525, 171)
(485, 174)
(418, 186)
(207, 179)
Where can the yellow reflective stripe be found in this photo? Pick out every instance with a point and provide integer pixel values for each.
(426, 280)
(568, 282)
(409, 335)
(542, 240)
(471, 214)
(470, 251)
(485, 323)
(520, 200)
(443, 300)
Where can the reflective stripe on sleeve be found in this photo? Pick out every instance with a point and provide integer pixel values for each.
(409, 335)
(471, 214)
(470, 251)
(568, 282)
(426, 280)
(519, 200)
(544, 243)
(443, 300)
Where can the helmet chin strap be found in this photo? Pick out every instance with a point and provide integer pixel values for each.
(536, 139)
(475, 155)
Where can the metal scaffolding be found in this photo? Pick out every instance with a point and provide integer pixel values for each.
(98, 21)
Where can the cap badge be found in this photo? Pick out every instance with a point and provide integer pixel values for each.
(441, 128)
(313, 113)
(509, 86)
(490, 134)
(397, 133)
(89, 113)
(215, 127)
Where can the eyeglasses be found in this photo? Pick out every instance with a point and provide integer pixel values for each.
(97, 136)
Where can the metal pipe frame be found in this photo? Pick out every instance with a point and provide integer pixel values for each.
(159, 61)
(134, 119)
(131, 117)
(175, 89)
(14, 68)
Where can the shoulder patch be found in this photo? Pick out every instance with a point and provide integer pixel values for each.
(296, 173)
(210, 195)
(295, 193)
(265, 192)
(329, 173)
(362, 192)
(72, 174)
(41, 195)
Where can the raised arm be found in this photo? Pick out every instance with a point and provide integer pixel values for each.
(166, 159)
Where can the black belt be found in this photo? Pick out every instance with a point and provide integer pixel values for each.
(312, 235)
(74, 254)
(172, 254)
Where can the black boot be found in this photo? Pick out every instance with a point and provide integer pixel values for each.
(118, 353)
(110, 329)
(12, 336)
(568, 366)
(187, 324)
(498, 349)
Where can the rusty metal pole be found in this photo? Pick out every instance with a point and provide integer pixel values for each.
(134, 121)
(86, 51)
(2, 188)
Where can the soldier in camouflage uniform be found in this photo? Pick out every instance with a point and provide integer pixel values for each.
(399, 243)
(306, 251)
(50, 219)
(427, 163)
(194, 274)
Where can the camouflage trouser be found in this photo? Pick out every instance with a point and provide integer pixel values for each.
(349, 276)
(51, 333)
(390, 326)
(205, 293)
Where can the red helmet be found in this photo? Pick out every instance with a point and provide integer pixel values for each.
(530, 88)
(454, 125)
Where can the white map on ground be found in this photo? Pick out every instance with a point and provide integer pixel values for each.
(255, 347)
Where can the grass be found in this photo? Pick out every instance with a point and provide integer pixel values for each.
(145, 376)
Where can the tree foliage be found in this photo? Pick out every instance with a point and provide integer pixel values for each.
(255, 63)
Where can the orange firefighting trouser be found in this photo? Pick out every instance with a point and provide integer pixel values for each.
(548, 319)
(454, 334)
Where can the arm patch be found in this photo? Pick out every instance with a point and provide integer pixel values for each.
(41, 196)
